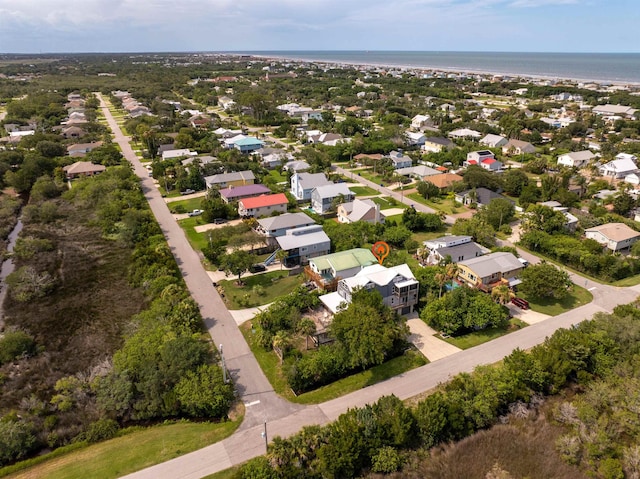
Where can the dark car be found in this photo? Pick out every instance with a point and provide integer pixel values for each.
(219, 221)
(520, 303)
(257, 268)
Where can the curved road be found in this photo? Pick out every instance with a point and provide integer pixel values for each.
(262, 404)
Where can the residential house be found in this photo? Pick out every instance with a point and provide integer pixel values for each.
(614, 236)
(81, 169)
(81, 149)
(397, 286)
(571, 221)
(226, 103)
(444, 181)
(418, 171)
(420, 121)
(72, 132)
(236, 193)
(323, 198)
(576, 159)
(485, 272)
(327, 270)
(360, 210)
(618, 168)
(225, 133)
(274, 226)
(479, 196)
(203, 160)
(264, 205)
(180, 153)
(493, 141)
(484, 159)
(236, 178)
(415, 138)
(302, 184)
(453, 248)
(272, 157)
(330, 139)
(399, 159)
(620, 111)
(435, 144)
(247, 144)
(463, 133)
(518, 147)
(302, 244)
(296, 166)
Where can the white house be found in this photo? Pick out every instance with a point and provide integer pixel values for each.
(465, 133)
(322, 197)
(615, 236)
(576, 159)
(302, 184)
(415, 138)
(360, 210)
(493, 141)
(181, 153)
(618, 168)
(419, 121)
(400, 160)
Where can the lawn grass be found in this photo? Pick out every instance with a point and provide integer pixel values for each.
(386, 202)
(578, 296)
(274, 285)
(478, 337)
(446, 205)
(367, 175)
(197, 240)
(279, 177)
(363, 191)
(184, 206)
(411, 359)
(226, 474)
(270, 364)
(128, 453)
(422, 236)
(630, 281)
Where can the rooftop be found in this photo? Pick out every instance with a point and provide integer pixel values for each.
(264, 200)
(344, 260)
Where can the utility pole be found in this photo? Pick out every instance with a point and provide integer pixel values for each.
(266, 440)
(224, 366)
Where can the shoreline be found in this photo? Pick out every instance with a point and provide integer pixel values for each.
(458, 70)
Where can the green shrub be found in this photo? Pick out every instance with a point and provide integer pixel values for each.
(102, 430)
(15, 344)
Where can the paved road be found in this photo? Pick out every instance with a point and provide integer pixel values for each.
(394, 194)
(251, 383)
(262, 404)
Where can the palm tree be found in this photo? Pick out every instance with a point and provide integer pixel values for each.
(501, 293)
(281, 254)
(307, 327)
(281, 343)
(441, 279)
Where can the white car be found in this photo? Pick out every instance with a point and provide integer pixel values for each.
(196, 212)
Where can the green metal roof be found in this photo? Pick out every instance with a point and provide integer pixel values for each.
(343, 260)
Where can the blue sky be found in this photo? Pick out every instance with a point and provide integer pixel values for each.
(35, 26)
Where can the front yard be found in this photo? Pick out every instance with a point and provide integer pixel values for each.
(478, 337)
(258, 289)
(577, 297)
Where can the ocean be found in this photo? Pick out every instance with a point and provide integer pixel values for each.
(599, 67)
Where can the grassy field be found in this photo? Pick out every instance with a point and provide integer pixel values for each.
(447, 206)
(630, 281)
(279, 177)
(385, 203)
(270, 365)
(129, 453)
(577, 297)
(185, 206)
(273, 285)
(478, 337)
(363, 191)
(197, 240)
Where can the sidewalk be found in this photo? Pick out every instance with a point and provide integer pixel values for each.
(244, 315)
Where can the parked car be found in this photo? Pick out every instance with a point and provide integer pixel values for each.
(219, 221)
(520, 303)
(257, 268)
(196, 212)
(188, 191)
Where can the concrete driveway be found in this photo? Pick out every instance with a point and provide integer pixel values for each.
(423, 338)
